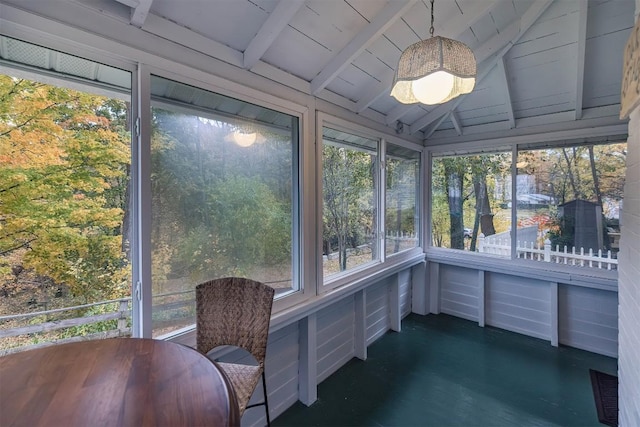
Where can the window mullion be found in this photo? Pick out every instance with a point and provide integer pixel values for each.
(514, 201)
(142, 295)
(381, 194)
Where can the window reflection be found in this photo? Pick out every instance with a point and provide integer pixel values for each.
(222, 196)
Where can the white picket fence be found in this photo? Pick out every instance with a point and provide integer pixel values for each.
(528, 250)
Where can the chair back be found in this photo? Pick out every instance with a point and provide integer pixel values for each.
(234, 311)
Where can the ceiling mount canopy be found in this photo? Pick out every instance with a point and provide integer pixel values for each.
(433, 71)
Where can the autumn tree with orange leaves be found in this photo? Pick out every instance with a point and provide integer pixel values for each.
(64, 161)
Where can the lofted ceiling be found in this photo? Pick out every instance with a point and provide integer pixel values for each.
(542, 64)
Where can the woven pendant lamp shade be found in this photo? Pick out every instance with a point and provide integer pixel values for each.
(447, 66)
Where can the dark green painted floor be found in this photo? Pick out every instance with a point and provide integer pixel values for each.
(445, 371)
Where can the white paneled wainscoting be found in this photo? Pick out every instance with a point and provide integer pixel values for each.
(308, 345)
(563, 308)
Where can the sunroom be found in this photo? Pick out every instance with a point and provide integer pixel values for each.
(147, 146)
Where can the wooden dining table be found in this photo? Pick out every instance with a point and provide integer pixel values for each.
(114, 382)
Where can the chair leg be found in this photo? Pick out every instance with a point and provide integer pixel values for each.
(266, 400)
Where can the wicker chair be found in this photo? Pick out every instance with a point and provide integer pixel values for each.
(236, 311)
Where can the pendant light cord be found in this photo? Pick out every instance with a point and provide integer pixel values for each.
(431, 29)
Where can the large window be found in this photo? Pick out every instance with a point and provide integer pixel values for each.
(567, 202)
(371, 201)
(223, 182)
(102, 238)
(470, 200)
(350, 201)
(402, 199)
(65, 153)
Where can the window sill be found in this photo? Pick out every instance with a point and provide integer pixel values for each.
(356, 283)
(579, 276)
(348, 277)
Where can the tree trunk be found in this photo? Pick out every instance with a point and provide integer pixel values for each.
(486, 216)
(454, 184)
(483, 221)
(342, 253)
(570, 174)
(594, 174)
(606, 242)
(478, 189)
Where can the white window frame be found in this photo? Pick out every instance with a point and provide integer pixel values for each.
(419, 196)
(301, 238)
(370, 269)
(591, 277)
(309, 195)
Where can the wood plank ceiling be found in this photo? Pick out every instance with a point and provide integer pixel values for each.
(541, 63)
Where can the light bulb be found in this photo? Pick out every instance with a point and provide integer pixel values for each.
(244, 139)
(434, 88)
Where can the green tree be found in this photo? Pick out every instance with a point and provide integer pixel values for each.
(218, 208)
(61, 162)
(454, 185)
(348, 198)
(463, 194)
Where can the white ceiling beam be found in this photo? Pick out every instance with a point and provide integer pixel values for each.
(539, 133)
(456, 121)
(454, 27)
(581, 45)
(166, 29)
(504, 77)
(277, 21)
(383, 20)
(399, 111)
(492, 45)
(374, 92)
(140, 12)
(130, 3)
(438, 113)
(436, 125)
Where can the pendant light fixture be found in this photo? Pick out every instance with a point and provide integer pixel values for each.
(433, 71)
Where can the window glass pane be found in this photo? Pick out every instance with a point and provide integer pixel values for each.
(223, 177)
(569, 202)
(65, 156)
(350, 205)
(470, 203)
(402, 201)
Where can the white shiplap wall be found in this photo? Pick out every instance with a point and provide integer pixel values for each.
(404, 282)
(335, 337)
(629, 285)
(588, 319)
(283, 384)
(459, 291)
(378, 315)
(577, 315)
(281, 369)
(521, 305)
